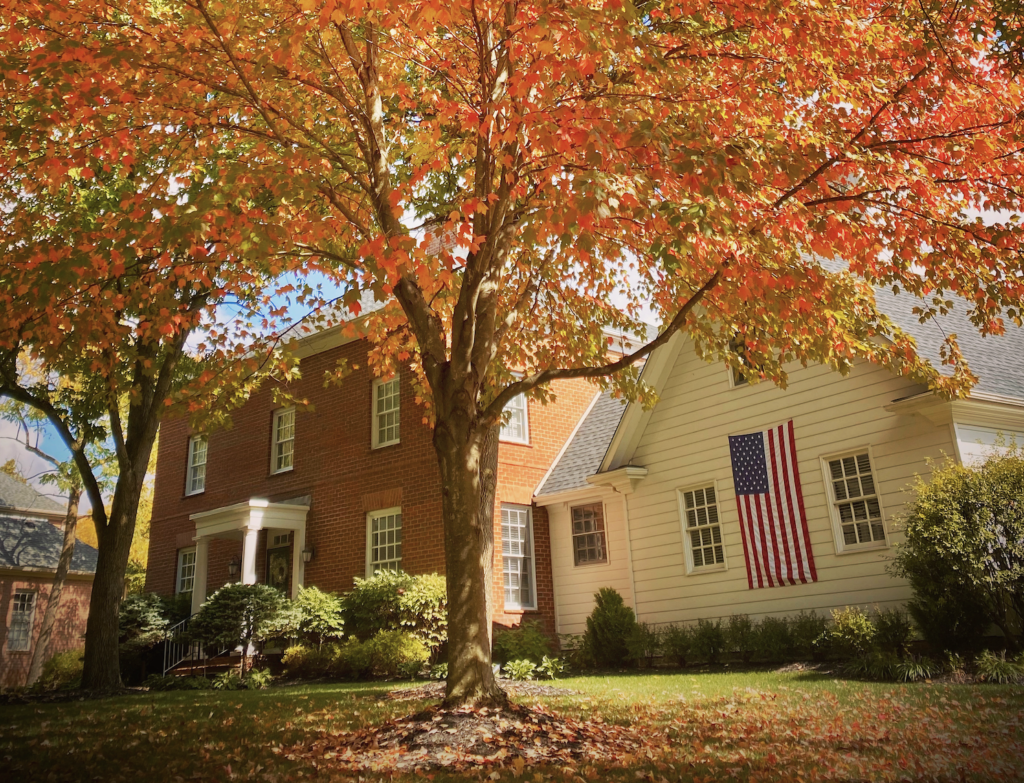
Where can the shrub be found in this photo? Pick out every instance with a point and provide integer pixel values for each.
(774, 640)
(852, 633)
(893, 631)
(396, 601)
(236, 615)
(321, 616)
(527, 642)
(872, 665)
(397, 654)
(805, 630)
(142, 625)
(352, 660)
(519, 670)
(439, 671)
(552, 668)
(708, 641)
(995, 668)
(303, 662)
(644, 644)
(258, 679)
(608, 627)
(228, 681)
(964, 551)
(677, 643)
(913, 669)
(62, 672)
(741, 635)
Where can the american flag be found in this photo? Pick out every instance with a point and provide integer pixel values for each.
(776, 544)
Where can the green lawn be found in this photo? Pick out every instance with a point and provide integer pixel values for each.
(708, 726)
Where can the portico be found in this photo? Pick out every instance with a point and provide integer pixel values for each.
(244, 521)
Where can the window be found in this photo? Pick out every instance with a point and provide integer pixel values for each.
(517, 428)
(386, 412)
(702, 528)
(856, 510)
(588, 541)
(282, 456)
(384, 545)
(738, 375)
(196, 482)
(186, 570)
(517, 557)
(23, 612)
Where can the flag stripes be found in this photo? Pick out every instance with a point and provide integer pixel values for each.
(773, 523)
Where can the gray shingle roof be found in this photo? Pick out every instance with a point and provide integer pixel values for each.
(998, 361)
(16, 494)
(36, 543)
(582, 457)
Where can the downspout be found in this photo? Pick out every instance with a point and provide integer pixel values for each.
(629, 552)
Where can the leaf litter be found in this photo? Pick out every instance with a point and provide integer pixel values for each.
(466, 738)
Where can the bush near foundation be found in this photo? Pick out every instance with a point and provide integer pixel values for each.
(964, 552)
(396, 601)
(527, 642)
(609, 627)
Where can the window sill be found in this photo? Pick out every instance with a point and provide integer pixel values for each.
(595, 564)
(195, 494)
(858, 548)
(377, 446)
(513, 441)
(282, 471)
(715, 569)
(519, 609)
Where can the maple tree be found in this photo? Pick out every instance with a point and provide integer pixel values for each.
(110, 267)
(501, 171)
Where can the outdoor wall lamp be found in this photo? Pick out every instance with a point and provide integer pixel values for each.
(233, 566)
(307, 554)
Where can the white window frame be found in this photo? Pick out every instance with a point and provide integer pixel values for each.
(377, 443)
(691, 568)
(517, 403)
(275, 467)
(370, 517)
(842, 548)
(192, 466)
(178, 575)
(531, 557)
(572, 536)
(734, 371)
(23, 623)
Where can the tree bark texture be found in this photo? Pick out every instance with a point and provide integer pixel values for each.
(469, 553)
(42, 649)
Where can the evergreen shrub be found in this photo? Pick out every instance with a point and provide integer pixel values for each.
(609, 626)
(708, 641)
(741, 634)
(527, 642)
(774, 640)
(397, 601)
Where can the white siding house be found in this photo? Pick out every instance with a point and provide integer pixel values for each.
(664, 481)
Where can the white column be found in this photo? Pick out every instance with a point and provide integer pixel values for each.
(249, 557)
(298, 566)
(199, 577)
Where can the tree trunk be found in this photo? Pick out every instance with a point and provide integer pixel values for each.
(469, 553)
(102, 670)
(41, 653)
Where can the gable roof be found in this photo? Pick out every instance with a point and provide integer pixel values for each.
(17, 495)
(582, 456)
(997, 360)
(35, 543)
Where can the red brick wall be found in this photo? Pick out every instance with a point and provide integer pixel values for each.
(335, 465)
(68, 633)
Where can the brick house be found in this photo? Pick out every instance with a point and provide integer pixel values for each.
(31, 536)
(320, 496)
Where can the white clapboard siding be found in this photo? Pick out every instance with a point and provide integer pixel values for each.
(976, 442)
(575, 585)
(685, 444)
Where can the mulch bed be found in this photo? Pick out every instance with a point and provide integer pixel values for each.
(513, 736)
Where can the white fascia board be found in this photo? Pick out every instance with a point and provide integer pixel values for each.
(990, 410)
(622, 479)
(633, 422)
